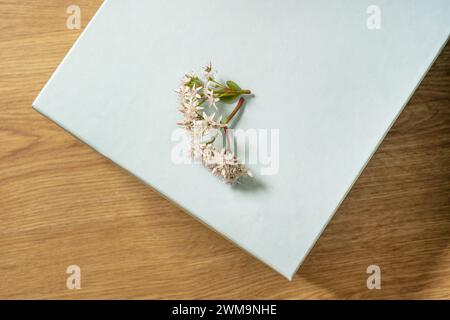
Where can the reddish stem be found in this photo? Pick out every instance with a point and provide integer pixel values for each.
(236, 109)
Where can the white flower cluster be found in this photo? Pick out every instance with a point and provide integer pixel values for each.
(197, 97)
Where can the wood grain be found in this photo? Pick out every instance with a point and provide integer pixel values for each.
(61, 203)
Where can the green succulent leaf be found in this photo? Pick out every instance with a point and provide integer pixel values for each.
(233, 86)
(229, 98)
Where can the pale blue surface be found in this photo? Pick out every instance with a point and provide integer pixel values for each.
(330, 85)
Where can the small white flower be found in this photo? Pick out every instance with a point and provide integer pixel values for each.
(227, 166)
(192, 107)
(194, 92)
(208, 72)
(187, 78)
(213, 123)
(210, 118)
(182, 91)
(211, 98)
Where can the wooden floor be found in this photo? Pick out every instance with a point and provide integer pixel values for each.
(61, 203)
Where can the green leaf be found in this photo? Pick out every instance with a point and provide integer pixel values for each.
(233, 86)
(229, 98)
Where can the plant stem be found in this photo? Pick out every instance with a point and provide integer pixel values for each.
(236, 109)
(228, 92)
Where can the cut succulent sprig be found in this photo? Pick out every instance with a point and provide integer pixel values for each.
(197, 96)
